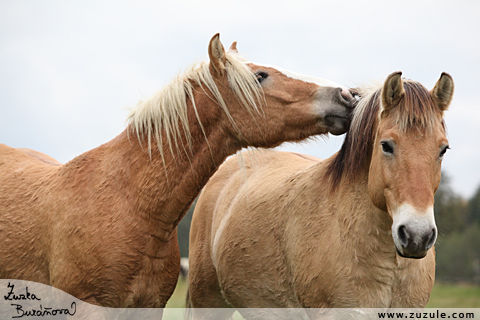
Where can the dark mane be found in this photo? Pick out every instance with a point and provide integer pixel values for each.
(416, 110)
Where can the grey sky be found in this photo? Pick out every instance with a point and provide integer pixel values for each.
(70, 70)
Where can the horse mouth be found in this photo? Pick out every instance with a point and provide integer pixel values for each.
(410, 256)
(336, 124)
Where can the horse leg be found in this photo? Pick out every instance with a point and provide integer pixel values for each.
(204, 293)
(207, 300)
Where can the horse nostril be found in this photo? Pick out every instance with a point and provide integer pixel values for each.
(346, 94)
(431, 239)
(403, 236)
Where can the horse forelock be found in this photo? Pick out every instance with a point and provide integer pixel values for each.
(416, 110)
(165, 113)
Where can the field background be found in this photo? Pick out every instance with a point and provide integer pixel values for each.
(443, 296)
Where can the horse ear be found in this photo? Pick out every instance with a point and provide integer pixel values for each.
(216, 52)
(233, 47)
(393, 90)
(442, 93)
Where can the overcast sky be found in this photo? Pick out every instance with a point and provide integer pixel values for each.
(69, 70)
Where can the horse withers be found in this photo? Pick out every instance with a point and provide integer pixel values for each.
(102, 227)
(283, 230)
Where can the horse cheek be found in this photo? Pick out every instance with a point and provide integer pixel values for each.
(376, 186)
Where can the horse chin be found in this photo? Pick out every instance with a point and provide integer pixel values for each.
(410, 256)
(336, 125)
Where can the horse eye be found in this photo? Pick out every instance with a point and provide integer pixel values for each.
(387, 147)
(261, 76)
(443, 151)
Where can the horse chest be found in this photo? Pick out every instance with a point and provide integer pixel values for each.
(374, 286)
(365, 286)
(354, 283)
(398, 282)
(151, 290)
(157, 275)
(138, 273)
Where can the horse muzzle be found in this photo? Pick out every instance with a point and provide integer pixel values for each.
(414, 233)
(334, 109)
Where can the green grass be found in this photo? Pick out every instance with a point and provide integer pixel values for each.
(443, 296)
(178, 298)
(454, 296)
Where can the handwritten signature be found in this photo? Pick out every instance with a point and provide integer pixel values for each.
(42, 312)
(12, 296)
(38, 312)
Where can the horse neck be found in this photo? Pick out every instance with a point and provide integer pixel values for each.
(159, 189)
(362, 224)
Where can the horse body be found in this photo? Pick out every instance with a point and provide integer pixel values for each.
(305, 249)
(102, 227)
(83, 226)
(283, 230)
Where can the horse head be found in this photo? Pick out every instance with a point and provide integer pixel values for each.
(405, 167)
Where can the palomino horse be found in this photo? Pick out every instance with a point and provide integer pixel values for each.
(102, 227)
(283, 230)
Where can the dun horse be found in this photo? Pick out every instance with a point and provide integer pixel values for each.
(283, 230)
(102, 227)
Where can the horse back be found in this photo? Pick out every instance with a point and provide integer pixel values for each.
(24, 168)
(40, 156)
(24, 155)
(245, 176)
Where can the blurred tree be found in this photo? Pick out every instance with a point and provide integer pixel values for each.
(450, 209)
(458, 256)
(473, 208)
(458, 244)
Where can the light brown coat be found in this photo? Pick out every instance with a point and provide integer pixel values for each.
(102, 227)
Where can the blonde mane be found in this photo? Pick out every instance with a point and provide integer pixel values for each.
(166, 111)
